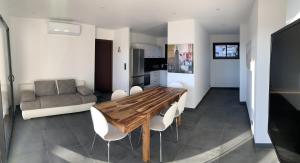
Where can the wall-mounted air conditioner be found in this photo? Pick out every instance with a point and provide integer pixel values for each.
(63, 28)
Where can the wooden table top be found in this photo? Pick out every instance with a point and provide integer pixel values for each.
(129, 113)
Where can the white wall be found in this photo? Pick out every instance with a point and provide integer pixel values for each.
(224, 72)
(120, 75)
(260, 26)
(251, 46)
(190, 31)
(243, 66)
(293, 11)
(266, 26)
(3, 8)
(104, 34)
(142, 38)
(201, 63)
(39, 55)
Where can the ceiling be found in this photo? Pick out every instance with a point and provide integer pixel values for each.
(143, 16)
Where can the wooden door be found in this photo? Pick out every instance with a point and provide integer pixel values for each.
(103, 65)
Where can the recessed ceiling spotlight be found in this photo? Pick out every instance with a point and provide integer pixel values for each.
(174, 13)
(101, 7)
(218, 9)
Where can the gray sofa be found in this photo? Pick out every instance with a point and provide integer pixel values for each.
(54, 97)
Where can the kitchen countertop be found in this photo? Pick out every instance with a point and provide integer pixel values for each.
(158, 69)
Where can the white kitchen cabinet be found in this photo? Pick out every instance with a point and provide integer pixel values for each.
(155, 78)
(157, 52)
(147, 53)
(158, 78)
(163, 77)
(150, 51)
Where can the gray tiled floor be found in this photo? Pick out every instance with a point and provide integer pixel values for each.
(217, 131)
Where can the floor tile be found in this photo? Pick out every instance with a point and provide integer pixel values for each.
(61, 137)
(218, 131)
(34, 157)
(76, 154)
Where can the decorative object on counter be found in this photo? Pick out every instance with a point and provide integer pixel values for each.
(180, 58)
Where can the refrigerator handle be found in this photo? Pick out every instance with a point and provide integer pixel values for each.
(139, 55)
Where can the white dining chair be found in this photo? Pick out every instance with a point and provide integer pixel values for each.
(181, 105)
(135, 90)
(160, 124)
(105, 130)
(176, 85)
(117, 94)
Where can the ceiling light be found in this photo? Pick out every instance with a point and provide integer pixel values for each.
(218, 9)
(174, 13)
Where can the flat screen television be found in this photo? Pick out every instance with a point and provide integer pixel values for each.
(284, 93)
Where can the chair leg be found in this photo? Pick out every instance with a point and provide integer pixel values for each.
(171, 127)
(108, 151)
(176, 130)
(93, 142)
(160, 148)
(129, 136)
(140, 137)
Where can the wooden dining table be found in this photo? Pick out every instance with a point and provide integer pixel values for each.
(131, 112)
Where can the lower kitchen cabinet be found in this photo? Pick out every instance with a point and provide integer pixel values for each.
(158, 78)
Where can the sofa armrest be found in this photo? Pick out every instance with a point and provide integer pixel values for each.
(84, 91)
(27, 96)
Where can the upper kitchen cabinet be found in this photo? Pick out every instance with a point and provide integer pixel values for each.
(151, 51)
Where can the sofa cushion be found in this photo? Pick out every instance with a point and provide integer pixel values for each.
(27, 96)
(88, 99)
(31, 105)
(66, 86)
(84, 90)
(45, 88)
(60, 100)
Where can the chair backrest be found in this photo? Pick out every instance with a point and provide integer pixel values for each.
(118, 94)
(182, 102)
(99, 122)
(170, 115)
(135, 89)
(175, 85)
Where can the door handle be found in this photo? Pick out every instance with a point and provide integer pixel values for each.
(11, 78)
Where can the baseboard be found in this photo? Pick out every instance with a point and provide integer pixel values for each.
(235, 88)
(201, 99)
(264, 145)
(257, 145)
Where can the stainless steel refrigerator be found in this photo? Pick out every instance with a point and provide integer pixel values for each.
(137, 67)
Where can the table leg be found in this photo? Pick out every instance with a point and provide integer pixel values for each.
(146, 140)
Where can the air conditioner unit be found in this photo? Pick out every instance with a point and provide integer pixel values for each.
(63, 28)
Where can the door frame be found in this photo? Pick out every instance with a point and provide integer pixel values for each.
(3, 140)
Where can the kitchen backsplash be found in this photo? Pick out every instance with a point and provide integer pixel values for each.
(155, 64)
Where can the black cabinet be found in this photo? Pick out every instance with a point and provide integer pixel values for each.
(284, 96)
